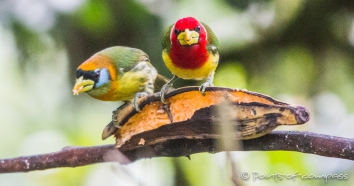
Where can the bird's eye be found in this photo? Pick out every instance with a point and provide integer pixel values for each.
(96, 75)
(177, 32)
(197, 29)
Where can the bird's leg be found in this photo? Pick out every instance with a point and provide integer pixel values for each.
(166, 87)
(136, 98)
(207, 83)
(148, 89)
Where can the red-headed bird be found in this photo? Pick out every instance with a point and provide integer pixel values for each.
(190, 51)
(118, 74)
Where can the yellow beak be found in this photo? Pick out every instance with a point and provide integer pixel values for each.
(82, 85)
(188, 37)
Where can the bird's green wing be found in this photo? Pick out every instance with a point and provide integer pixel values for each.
(213, 43)
(166, 42)
(125, 58)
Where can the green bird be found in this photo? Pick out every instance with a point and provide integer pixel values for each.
(118, 74)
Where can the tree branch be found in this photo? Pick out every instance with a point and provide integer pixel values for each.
(305, 142)
(190, 123)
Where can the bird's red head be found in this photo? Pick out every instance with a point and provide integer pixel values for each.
(188, 39)
(187, 22)
(188, 31)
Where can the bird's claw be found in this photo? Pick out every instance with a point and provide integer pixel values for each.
(166, 86)
(203, 86)
(136, 98)
(163, 92)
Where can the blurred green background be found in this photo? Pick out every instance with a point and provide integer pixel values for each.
(297, 51)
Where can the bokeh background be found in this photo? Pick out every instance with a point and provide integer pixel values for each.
(297, 51)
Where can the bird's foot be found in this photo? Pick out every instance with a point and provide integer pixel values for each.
(166, 86)
(136, 98)
(163, 92)
(204, 85)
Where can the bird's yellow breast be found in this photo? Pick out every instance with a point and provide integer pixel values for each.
(124, 88)
(127, 84)
(196, 74)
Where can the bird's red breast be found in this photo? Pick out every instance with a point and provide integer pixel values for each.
(188, 56)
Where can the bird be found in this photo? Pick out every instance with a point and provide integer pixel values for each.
(118, 73)
(190, 51)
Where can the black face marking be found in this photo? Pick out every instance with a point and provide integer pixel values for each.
(177, 32)
(197, 29)
(79, 73)
(93, 75)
